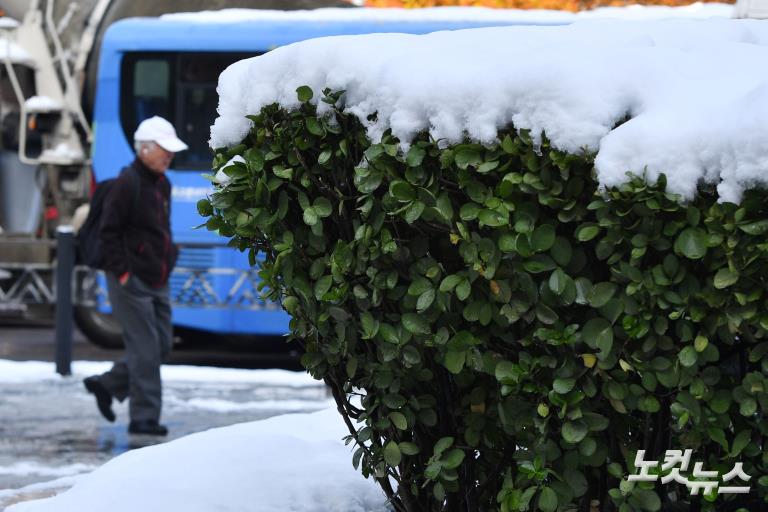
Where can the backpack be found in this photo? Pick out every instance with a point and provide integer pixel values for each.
(88, 239)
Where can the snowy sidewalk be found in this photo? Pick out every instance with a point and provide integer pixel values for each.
(294, 462)
(51, 431)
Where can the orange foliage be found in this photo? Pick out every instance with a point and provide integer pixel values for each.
(569, 5)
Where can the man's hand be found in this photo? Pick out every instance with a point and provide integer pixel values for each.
(124, 278)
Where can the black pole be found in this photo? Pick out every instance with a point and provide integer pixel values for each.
(65, 255)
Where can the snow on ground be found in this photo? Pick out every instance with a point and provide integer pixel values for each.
(34, 468)
(696, 90)
(219, 405)
(293, 462)
(34, 371)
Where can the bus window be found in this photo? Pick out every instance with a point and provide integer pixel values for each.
(198, 75)
(180, 87)
(146, 90)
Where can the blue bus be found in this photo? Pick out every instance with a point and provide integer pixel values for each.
(170, 67)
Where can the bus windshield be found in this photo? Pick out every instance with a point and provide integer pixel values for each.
(179, 86)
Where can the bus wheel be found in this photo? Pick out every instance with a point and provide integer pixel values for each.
(100, 328)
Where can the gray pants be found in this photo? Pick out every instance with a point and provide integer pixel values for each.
(144, 313)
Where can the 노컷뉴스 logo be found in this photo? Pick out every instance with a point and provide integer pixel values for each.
(677, 461)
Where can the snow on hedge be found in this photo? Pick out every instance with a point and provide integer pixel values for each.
(295, 462)
(696, 91)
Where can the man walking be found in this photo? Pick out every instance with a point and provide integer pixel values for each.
(138, 256)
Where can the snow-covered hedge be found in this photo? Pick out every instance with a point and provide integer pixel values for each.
(517, 329)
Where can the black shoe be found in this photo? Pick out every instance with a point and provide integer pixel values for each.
(103, 398)
(147, 427)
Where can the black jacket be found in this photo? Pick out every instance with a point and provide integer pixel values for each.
(135, 226)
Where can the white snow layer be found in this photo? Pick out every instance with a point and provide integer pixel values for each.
(42, 104)
(25, 468)
(20, 372)
(453, 14)
(13, 52)
(696, 91)
(8, 23)
(295, 462)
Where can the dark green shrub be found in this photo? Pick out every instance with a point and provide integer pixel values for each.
(514, 335)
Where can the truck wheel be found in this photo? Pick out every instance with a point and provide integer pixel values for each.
(100, 328)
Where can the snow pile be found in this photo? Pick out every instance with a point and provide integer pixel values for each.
(697, 92)
(63, 152)
(15, 53)
(453, 14)
(34, 468)
(7, 23)
(223, 178)
(291, 463)
(42, 104)
(20, 372)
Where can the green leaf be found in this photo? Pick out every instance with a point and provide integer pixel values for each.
(370, 325)
(740, 442)
(547, 500)
(646, 499)
(558, 281)
(688, 356)
(314, 126)
(563, 386)
(755, 228)
(425, 300)
(600, 294)
(453, 458)
(443, 444)
(700, 343)
(576, 481)
(310, 216)
(324, 156)
(539, 263)
(322, 286)
(597, 331)
(304, 93)
(445, 207)
(415, 324)
(415, 156)
(450, 282)
(508, 145)
(466, 156)
(204, 208)
(587, 232)
(493, 218)
(463, 289)
(469, 211)
(392, 455)
(505, 372)
(322, 207)
(574, 431)
(398, 420)
(402, 190)
(748, 407)
(725, 278)
(507, 242)
(561, 251)
(692, 243)
(409, 448)
(543, 238)
(414, 211)
(454, 360)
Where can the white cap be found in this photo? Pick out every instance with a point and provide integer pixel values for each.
(156, 129)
